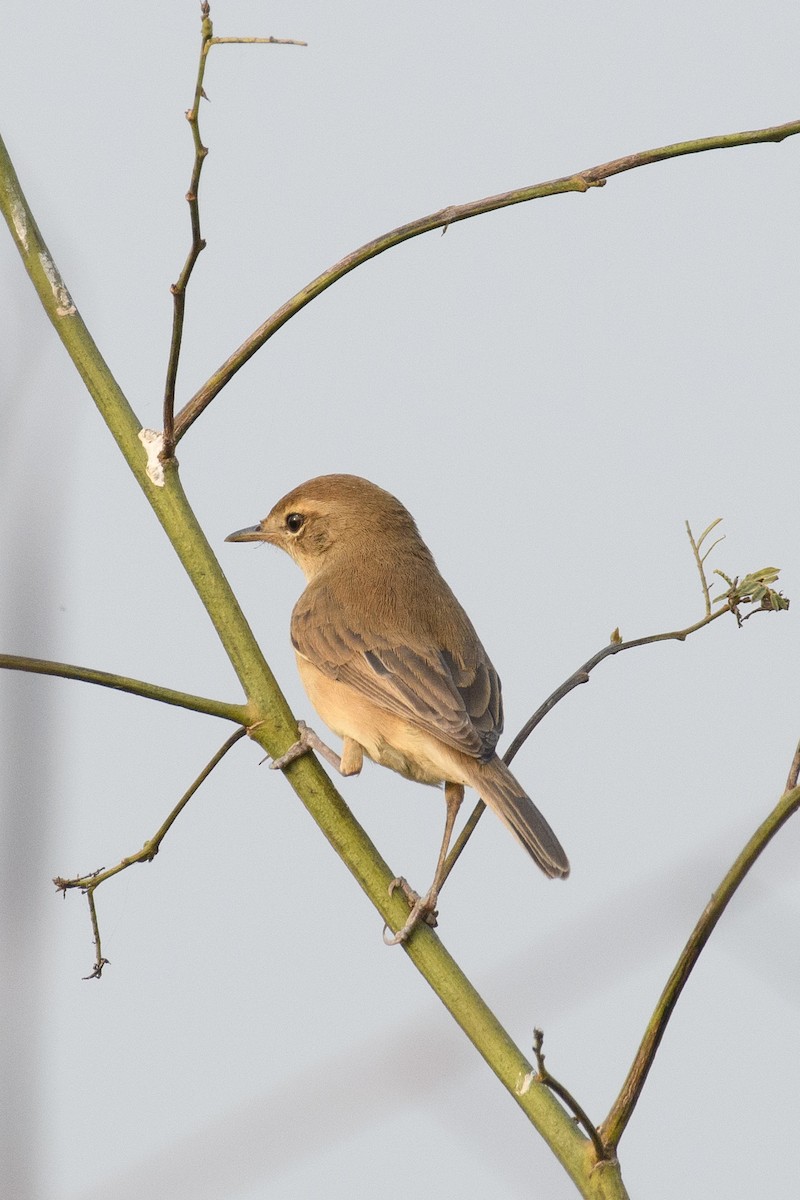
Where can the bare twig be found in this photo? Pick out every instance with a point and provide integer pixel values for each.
(135, 687)
(89, 883)
(256, 41)
(178, 288)
(752, 589)
(614, 1125)
(442, 219)
(572, 1104)
(99, 960)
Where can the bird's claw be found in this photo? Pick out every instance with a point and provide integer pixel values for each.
(309, 740)
(405, 887)
(423, 908)
(302, 746)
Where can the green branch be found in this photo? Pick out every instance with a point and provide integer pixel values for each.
(274, 727)
(579, 182)
(614, 1125)
(270, 721)
(167, 498)
(122, 683)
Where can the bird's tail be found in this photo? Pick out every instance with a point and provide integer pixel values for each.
(498, 788)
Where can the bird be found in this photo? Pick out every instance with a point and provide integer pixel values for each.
(392, 663)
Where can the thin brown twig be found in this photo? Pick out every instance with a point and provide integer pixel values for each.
(578, 677)
(89, 883)
(558, 1088)
(99, 960)
(178, 289)
(739, 592)
(582, 181)
(256, 41)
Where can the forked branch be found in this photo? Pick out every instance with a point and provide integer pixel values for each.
(90, 883)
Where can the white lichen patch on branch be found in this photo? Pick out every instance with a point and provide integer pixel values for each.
(525, 1083)
(64, 305)
(153, 443)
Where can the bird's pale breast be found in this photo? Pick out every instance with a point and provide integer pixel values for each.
(387, 739)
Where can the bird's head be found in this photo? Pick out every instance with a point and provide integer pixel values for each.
(330, 518)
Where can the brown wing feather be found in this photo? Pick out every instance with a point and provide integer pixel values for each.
(453, 694)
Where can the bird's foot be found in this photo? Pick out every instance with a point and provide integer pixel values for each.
(308, 740)
(423, 908)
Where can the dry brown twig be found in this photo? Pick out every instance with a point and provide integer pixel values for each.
(754, 589)
(89, 884)
(198, 244)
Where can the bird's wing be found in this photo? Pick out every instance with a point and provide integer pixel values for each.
(458, 702)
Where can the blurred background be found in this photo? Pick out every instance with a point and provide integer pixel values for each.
(551, 390)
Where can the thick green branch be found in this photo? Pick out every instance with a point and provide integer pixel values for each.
(123, 683)
(349, 840)
(168, 500)
(274, 727)
(579, 182)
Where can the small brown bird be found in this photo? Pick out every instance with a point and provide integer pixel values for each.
(392, 663)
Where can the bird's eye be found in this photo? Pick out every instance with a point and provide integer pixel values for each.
(295, 522)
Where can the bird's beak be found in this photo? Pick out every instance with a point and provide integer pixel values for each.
(253, 533)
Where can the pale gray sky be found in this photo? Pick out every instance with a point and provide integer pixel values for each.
(551, 390)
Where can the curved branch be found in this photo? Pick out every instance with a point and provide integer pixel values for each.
(580, 182)
(614, 1125)
(564, 1094)
(122, 683)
